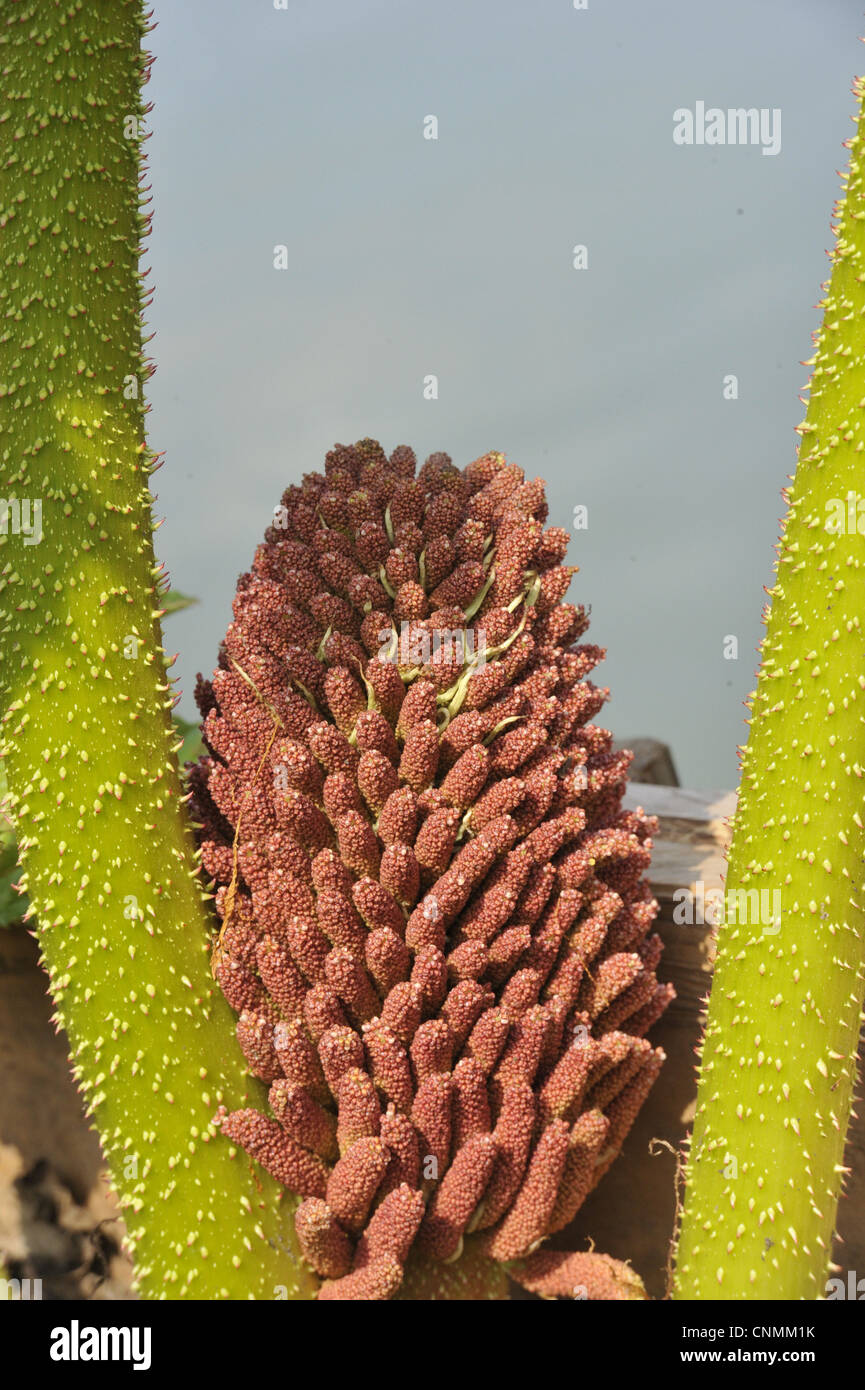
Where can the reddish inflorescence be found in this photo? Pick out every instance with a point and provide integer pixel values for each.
(436, 929)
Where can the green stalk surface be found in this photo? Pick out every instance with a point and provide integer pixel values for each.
(94, 790)
(779, 1053)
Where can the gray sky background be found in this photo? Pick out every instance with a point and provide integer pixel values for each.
(408, 257)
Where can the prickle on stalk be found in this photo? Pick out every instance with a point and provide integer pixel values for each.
(88, 746)
(435, 927)
(778, 1059)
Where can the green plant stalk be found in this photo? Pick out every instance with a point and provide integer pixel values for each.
(94, 789)
(779, 1053)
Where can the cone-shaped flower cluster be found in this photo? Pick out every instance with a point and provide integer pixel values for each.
(436, 930)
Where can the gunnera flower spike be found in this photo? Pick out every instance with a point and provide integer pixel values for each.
(435, 927)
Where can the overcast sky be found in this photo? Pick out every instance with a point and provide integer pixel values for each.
(304, 126)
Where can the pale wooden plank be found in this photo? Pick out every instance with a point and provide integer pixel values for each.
(683, 803)
(677, 865)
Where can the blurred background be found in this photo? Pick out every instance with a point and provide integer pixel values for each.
(303, 127)
(406, 257)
